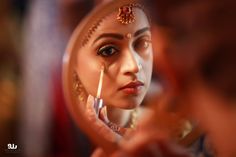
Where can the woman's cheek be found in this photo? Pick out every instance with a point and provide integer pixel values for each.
(89, 72)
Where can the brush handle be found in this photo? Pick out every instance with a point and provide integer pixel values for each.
(98, 104)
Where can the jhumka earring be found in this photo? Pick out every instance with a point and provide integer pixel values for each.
(78, 88)
(126, 14)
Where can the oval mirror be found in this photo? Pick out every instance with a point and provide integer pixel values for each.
(107, 71)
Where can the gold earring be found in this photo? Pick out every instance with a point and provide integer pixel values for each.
(78, 88)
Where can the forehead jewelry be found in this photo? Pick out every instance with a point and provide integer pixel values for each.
(126, 14)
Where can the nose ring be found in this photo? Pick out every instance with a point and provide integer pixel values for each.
(140, 66)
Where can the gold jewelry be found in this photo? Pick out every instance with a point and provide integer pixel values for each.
(78, 88)
(114, 127)
(126, 14)
(134, 118)
(123, 17)
(91, 31)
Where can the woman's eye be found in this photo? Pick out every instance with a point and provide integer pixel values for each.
(142, 44)
(107, 51)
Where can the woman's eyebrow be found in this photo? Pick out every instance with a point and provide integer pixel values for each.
(141, 31)
(109, 35)
(120, 36)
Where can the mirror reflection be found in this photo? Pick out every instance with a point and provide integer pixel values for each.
(120, 44)
(108, 71)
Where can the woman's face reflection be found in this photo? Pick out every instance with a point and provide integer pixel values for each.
(126, 52)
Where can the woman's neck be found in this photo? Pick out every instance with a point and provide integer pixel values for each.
(118, 116)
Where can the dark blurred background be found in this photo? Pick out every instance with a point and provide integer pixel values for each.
(33, 116)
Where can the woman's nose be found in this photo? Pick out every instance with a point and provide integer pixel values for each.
(130, 62)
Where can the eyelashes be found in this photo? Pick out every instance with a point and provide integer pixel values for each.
(140, 46)
(108, 50)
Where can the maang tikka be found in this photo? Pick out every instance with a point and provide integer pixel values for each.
(126, 14)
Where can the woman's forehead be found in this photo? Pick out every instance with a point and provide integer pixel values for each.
(111, 24)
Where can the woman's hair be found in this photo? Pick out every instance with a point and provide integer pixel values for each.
(99, 20)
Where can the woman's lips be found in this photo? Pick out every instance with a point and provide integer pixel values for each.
(132, 88)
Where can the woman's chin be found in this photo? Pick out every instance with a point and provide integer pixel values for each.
(127, 104)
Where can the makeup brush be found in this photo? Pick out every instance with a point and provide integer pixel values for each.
(100, 83)
(98, 102)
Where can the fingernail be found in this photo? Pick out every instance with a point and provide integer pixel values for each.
(105, 110)
(90, 99)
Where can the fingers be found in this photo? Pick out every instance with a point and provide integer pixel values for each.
(120, 153)
(153, 144)
(98, 124)
(99, 153)
(90, 111)
(90, 102)
(103, 115)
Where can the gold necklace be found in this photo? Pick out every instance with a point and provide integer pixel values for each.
(134, 117)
